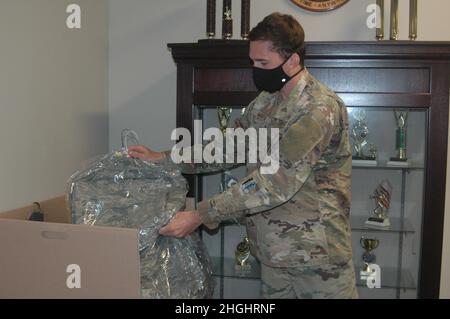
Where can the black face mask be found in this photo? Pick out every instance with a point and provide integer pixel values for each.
(271, 80)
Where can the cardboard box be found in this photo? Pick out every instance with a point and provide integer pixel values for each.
(55, 259)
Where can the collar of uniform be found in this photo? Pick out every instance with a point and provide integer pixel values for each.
(300, 86)
(288, 104)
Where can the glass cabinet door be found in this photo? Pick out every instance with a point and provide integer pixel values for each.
(378, 78)
(389, 147)
(393, 247)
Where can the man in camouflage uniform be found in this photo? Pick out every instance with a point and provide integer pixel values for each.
(298, 218)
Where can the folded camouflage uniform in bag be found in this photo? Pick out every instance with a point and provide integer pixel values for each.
(116, 190)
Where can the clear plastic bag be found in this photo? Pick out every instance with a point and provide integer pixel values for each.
(116, 190)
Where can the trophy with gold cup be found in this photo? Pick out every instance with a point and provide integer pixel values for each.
(242, 254)
(368, 257)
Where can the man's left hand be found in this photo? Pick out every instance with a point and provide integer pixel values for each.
(183, 224)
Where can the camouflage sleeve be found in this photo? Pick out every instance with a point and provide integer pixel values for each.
(300, 149)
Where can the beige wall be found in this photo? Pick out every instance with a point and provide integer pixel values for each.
(53, 95)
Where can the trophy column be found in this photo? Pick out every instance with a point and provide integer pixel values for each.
(245, 19)
(394, 20)
(227, 22)
(400, 137)
(211, 19)
(413, 19)
(380, 19)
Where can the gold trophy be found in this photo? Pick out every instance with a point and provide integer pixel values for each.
(242, 254)
(382, 196)
(369, 244)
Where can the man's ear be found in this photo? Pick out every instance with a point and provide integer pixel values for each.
(295, 60)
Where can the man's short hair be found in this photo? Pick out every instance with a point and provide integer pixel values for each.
(285, 33)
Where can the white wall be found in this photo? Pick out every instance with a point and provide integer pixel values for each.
(143, 75)
(53, 95)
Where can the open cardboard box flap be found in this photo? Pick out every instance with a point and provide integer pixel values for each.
(56, 211)
(55, 259)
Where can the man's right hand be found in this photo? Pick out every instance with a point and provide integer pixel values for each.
(144, 153)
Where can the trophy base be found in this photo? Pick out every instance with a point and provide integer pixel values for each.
(364, 158)
(367, 271)
(378, 222)
(243, 269)
(396, 162)
(364, 162)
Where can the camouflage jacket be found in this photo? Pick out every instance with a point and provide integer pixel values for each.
(298, 216)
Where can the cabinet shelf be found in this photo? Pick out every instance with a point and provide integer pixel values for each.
(389, 275)
(230, 272)
(389, 278)
(385, 166)
(397, 225)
